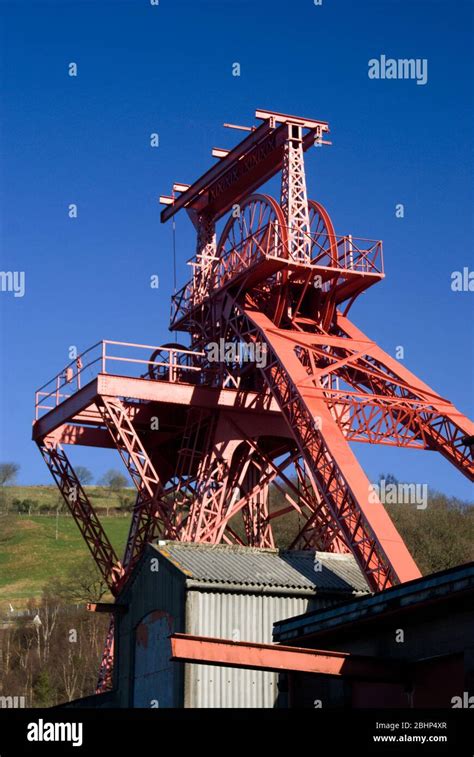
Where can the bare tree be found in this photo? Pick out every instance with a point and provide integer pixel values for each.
(114, 481)
(84, 475)
(8, 473)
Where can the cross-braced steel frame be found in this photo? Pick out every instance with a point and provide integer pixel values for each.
(280, 281)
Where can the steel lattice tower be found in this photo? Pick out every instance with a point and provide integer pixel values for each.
(278, 282)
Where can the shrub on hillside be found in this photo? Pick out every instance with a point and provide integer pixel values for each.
(25, 506)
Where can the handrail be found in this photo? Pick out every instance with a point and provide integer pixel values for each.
(176, 360)
(72, 363)
(340, 252)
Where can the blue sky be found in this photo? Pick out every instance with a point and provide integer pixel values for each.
(168, 69)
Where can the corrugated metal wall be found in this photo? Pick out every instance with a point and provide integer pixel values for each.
(240, 617)
(142, 674)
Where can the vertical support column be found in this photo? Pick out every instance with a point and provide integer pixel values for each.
(106, 669)
(205, 254)
(215, 482)
(197, 440)
(294, 198)
(255, 514)
(203, 267)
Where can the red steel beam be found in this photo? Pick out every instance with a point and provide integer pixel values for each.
(152, 391)
(201, 186)
(446, 430)
(107, 607)
(273, 657)
(249, 165)
(368, 531)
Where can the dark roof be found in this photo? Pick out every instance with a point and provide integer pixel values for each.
(269, 568)
(447, 585)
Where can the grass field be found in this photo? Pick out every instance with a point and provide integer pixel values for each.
(30, 554)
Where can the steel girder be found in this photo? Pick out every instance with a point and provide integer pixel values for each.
(317, 530)
(255, 514)
(83, 513)
(105, 677)
(150, 504)
(197, 440)
(344, 489)
(149, 512)
(294, 199)
(224, 470)
(382, 401)
(256, 656)
(435, 421)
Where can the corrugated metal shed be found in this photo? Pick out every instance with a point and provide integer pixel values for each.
(265, 568)
(222, 591)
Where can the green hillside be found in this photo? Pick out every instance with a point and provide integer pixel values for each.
(30, 553)
(438, 537)
(43, 498)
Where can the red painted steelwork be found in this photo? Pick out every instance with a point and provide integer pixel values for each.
(279, 280)
(241, 654)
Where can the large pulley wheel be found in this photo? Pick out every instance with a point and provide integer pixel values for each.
(258, 230)
(324, 252)
(259, 226)
(323, 236)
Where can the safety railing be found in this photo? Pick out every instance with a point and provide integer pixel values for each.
(347, 253)
(173, 364)
(273, 242)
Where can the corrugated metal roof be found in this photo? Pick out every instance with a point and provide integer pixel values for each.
(248, 566)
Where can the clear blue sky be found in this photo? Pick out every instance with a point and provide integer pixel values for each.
(168, 69)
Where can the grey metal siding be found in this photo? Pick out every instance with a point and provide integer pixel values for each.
(239, 617)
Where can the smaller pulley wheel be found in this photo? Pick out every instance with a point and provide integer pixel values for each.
(169, 362)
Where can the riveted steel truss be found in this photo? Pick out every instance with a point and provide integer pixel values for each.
(150, 504)
(278, 279)
(83, 513)
(294, 199)
(344, 489)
